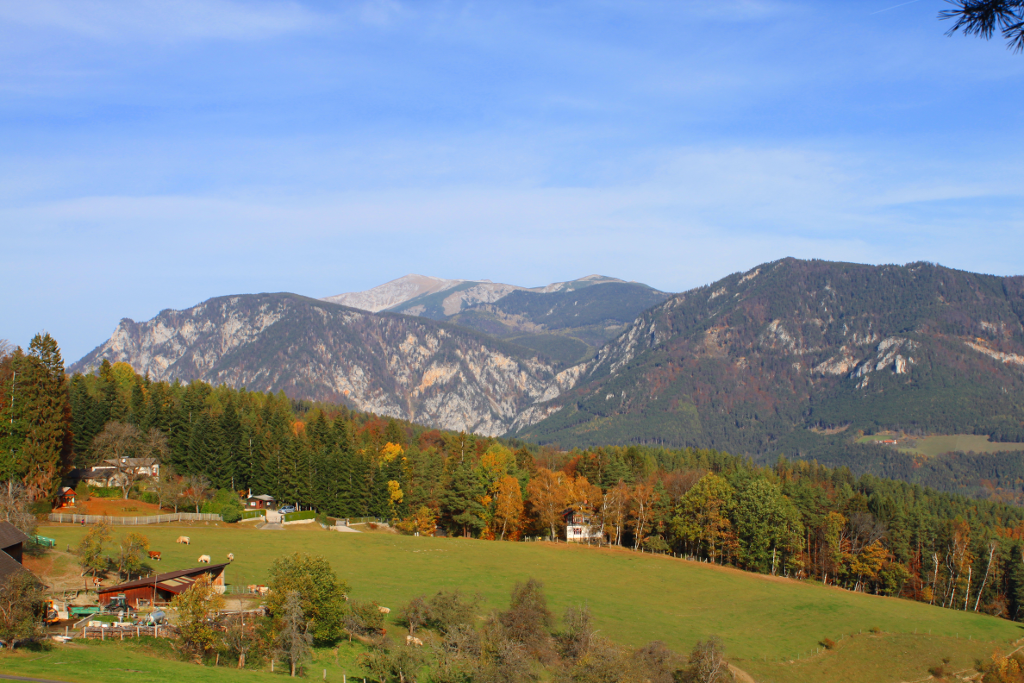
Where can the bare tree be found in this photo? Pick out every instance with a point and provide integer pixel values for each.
(576, 640)
(14, 504)
(129, 451)
(707, 662)
(197, 489)
(294, 640)
(644, 499)
(168, 488)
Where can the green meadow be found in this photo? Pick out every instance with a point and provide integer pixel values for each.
(771, 627)
(931, 446)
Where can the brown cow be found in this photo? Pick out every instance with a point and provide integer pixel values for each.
(154, 555)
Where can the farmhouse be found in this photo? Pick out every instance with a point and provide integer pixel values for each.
(109, 473)
(578, 528)
(11, 540)
(163, 587)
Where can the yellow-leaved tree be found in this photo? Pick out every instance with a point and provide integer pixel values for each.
(508, 508)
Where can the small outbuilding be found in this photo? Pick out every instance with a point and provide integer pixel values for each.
(66, 497)
(11, 540)
(162, 588)
(260, 502)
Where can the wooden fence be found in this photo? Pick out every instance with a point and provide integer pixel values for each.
(133, 521)
(122, 632)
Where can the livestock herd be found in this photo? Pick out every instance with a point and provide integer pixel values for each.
(185, 540)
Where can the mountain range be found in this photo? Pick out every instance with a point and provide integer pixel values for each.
(790, 357)
(566, 321)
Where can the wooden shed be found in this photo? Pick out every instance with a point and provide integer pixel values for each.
(161, 588)
(66, 497)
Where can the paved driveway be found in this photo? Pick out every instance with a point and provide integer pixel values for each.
(274, 519)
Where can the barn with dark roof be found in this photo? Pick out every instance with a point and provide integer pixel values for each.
(162, 588)
(11, 540)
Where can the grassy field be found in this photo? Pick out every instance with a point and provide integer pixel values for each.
(931, 446)
(765, 622)
(140, 662)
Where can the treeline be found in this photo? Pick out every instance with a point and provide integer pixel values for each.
(797, 519)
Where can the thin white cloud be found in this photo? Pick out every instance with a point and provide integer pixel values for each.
(112, 20)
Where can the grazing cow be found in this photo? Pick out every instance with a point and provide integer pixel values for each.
(183, 539)
(385, 610)
(414, 641)
(252, 588)
(231, 557)
(154, 555)
(263, 590)
(204, 558)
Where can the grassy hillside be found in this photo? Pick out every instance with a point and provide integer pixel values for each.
(635, 598)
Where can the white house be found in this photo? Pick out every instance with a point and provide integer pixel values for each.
(578, 528)
(109, 473)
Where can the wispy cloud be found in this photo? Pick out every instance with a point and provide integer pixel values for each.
(112, 20)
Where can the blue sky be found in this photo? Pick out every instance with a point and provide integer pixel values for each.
(155, 154)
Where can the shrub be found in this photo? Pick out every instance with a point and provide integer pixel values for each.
(296, 516)
(828, 643)
(222, 500)
(938, 671)
(231, 514)
(40, 507)
(875, 629)
(656, 544)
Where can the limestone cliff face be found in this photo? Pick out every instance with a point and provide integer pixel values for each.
(393, 365)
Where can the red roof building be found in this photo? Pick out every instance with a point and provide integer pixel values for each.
(161, 588)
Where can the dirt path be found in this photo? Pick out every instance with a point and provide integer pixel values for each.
(740, 675)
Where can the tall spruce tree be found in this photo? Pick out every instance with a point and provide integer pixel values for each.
(47, 447)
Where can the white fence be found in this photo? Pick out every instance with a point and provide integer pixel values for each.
(133, 521)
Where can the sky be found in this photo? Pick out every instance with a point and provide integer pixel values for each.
(156, 154)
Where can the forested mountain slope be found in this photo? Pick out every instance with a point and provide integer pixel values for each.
(756, 361)
(400, 366)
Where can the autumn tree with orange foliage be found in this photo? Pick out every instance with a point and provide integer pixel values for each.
(548, 495)
(508, 508)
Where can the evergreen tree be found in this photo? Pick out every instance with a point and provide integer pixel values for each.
(233, 457)
(460, 502)
(47, 448)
